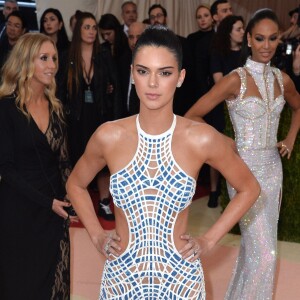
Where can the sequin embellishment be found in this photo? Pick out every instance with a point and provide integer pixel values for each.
(255, 121)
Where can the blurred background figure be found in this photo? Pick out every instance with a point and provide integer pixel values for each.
(158, 15)
(129, 15)
(220, 9)
(8, 8)
(226, 47)
(130, 99)
(116, 42)
(293, 31)
(224, 57)
(73, 19)
(90, 95)
(16, 26)
(114, 37)
(199, 52)
(52, 24)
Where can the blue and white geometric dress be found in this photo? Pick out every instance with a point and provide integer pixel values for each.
(152, 190)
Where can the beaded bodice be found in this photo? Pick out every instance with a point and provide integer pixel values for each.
(255, 120)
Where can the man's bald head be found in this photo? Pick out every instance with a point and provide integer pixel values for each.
(134, 32)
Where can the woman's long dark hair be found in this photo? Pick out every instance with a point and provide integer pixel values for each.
(62, 37)
(75, 70)
(110, 22)
(221, 40)
(258, 16)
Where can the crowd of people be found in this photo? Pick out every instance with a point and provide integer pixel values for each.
(57, 101)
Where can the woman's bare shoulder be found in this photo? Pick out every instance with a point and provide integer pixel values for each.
(114, 131)
(197, 132)
(203, 135)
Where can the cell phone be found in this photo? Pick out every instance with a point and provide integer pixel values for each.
(71, 211)
(289, 49)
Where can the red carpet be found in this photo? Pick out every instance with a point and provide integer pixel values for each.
(201, 191)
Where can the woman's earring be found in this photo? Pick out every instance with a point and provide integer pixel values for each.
(132, 80)
(249, 45)
(179, 84)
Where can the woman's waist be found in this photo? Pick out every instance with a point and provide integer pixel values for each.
(150, 234)
(262, 156)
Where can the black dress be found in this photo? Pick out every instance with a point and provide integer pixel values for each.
(34, 255)
(223, 64)
(83, 117)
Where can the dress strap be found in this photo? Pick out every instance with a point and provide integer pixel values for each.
(278, 75)
(167, 132)
(243, 76)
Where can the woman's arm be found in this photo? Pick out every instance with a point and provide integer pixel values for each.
(221, 155)
(217, 76)
(88, 166)
(293, 99)
(226, 88)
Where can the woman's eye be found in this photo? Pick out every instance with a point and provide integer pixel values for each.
(166, 73)
(259, 39)
(141, 72)
(273, 38)
(44, 57)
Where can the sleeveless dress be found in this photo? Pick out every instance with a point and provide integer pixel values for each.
(255, 121)
(152, 190)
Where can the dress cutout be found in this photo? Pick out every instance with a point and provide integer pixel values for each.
(152, 190)
(255, 121)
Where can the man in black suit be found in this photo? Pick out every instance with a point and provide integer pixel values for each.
(9, 7)
(158, 15)
(129, 14)
(131, 100)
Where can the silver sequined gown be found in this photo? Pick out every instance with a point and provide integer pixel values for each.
(255, 121)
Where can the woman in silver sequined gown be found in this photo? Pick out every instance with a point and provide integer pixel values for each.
(256, 95)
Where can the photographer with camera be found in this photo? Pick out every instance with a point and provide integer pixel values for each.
(291, 47)
(287, 56)
(293, 67)
(293, 31)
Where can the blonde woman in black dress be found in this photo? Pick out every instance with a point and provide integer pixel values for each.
(34, 252)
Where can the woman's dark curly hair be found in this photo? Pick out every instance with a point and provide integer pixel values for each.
(222, 41)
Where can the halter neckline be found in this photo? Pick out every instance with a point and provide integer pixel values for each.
(168, 131)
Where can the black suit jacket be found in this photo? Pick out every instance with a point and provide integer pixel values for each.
(125, 73)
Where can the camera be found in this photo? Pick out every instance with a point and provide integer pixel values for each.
(290, 45)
